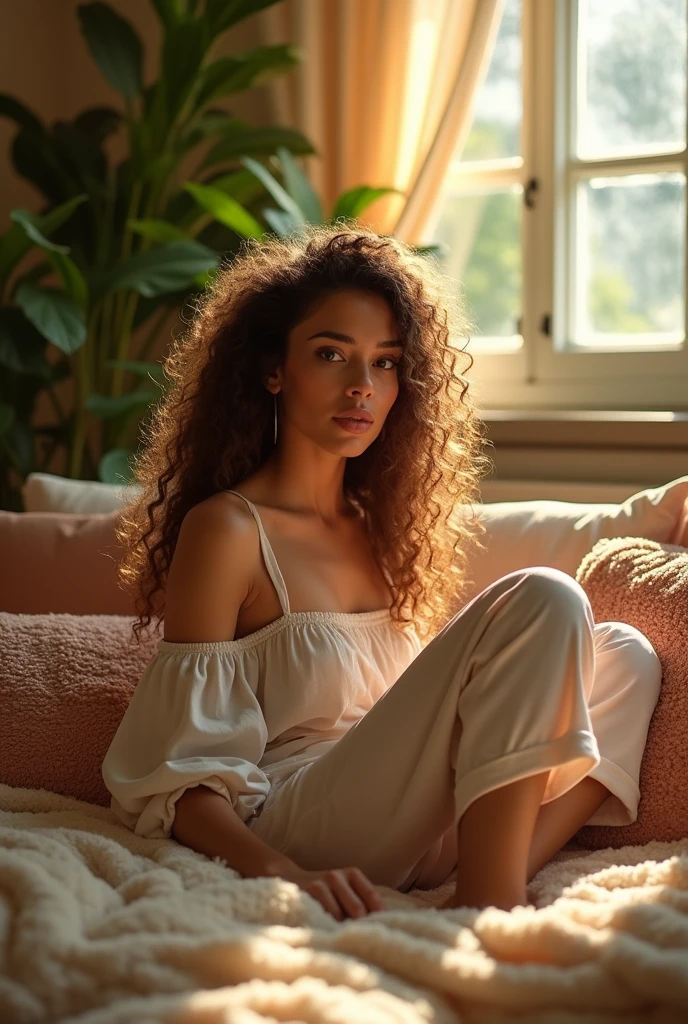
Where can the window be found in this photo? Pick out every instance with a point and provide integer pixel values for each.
(564, 219)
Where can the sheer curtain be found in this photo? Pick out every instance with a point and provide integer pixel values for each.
(385, 94)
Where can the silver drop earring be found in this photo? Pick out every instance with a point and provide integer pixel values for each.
(275, 397)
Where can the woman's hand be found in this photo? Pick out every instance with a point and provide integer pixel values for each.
(343, 892)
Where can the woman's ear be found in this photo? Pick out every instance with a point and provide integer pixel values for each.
(271, 376)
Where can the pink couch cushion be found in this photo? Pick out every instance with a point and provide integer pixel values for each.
(61, 562)
(645, 583)
(65, 683)
(681, 532)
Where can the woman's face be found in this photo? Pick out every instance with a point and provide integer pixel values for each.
(341, 356)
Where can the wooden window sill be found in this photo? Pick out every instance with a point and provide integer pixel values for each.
(542, 428)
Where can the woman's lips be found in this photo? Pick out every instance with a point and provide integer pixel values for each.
(352, 425)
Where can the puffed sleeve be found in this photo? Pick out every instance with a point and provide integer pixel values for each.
(193, 718)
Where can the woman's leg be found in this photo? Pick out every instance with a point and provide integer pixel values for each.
(496, 830)
(498, 704)
(558, 821)
(625, 691)
(499, 695)
(493, 842)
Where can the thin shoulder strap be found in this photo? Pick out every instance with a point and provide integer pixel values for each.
(269, 556)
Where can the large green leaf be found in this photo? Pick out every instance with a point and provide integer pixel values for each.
(29, 222)
(21, 115)
(115, 47)
(282, 223)
(169, 11)
(275, 189)
(140, 367)
(51, 221)
(33, 275)
(54, 314)
(240, 185)
(100, 122)
(299, 188)
(82, 156)
(73, 280)
(225, 209)
(222, 14)
(115, 467)
(16, 242)
(353, 202)
(22, 347)
(213, 121)
(168, 268)
(245, 71)
(109, 406)
(158, 230)
(184, 48)
(243, 140)
(38, 159)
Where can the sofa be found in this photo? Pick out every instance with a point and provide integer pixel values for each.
(96, 921)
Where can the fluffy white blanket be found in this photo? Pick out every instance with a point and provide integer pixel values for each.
(98, 926)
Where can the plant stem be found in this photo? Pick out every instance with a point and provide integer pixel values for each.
(129, 310)
(150, 338)
(121, 299)
(80, 414)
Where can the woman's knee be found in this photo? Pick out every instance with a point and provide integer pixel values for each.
(553, 587)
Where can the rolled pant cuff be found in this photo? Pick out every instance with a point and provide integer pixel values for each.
(621, 806)
(573, 755)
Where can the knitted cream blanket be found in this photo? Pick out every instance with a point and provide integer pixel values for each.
(99, 926)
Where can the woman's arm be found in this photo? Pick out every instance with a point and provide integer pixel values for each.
(206, 822)
(211, 575)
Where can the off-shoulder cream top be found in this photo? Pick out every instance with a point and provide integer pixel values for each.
(242, 715)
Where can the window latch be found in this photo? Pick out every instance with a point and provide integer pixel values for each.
(531, 187)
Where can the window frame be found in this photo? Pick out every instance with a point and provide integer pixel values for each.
(545, 373)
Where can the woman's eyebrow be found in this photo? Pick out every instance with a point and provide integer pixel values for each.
(348, 340)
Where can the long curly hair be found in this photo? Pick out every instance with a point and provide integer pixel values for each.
(214, 425)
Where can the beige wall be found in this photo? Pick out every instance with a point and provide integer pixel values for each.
(45, 63)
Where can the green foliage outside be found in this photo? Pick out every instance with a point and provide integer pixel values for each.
(635, 246)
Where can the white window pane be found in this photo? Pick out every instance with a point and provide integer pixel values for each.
(632, 76)
(480, 233)
(631, 255)
(496, 129)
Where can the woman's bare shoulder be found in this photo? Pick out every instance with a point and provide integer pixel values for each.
(213, 570)
(221, 509)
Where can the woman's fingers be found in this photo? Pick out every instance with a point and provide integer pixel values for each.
(342, 887)
(323, 893)
(365, 888)
(343, 892)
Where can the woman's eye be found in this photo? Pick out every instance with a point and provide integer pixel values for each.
(330, 351)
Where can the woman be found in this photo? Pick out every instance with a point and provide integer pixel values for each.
(323, 706)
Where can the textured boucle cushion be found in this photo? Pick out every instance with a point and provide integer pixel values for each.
(65, 683)
(645, 583)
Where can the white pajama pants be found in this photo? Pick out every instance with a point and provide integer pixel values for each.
(521, 680)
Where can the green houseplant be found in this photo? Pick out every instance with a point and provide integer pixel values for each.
(140, 238)
(109, 270)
